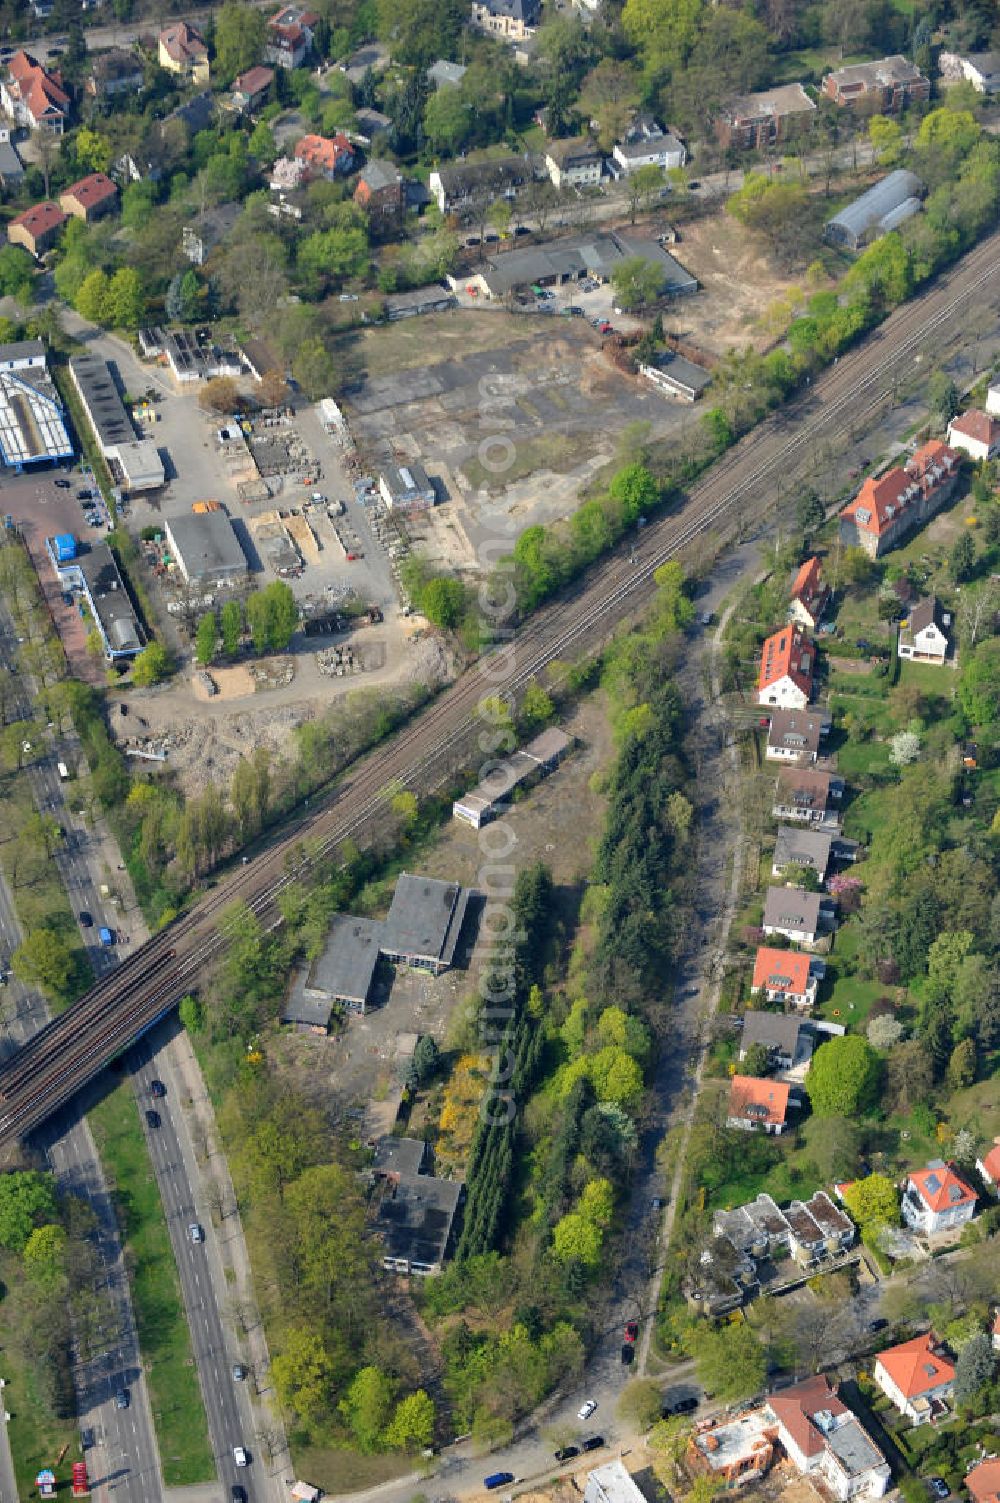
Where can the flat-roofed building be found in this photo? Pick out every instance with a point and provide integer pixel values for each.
(206, 548)
(341, 976)
(415, 1218)
(96, 573)
(33, 426)
(764, 119)
(424, 922)
(406, 487)
(493, 792)
(612, 1483)
(135, 464)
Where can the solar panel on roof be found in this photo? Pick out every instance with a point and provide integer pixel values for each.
(933, 1184)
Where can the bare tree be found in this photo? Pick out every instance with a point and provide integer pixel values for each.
(270, 1440)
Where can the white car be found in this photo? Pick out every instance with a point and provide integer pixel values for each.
(586, 1409)
(240, 1456)
(196, 1232)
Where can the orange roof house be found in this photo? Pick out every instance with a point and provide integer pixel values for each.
(91, 197)
(977, 434)
(983, 1481)
(326, 156)
(34, 97)
(37, 228)
(758, 1103)
(989, 1165)
(785, 677)
(937, 1199)
(916, 1376)
(809, 595)
(888, 508)
(785, 976)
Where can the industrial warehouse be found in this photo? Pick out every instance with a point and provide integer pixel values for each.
(135, 464)
(32, 423)
(95, 574)
(206, 549)
(494, 791)
(422, 929)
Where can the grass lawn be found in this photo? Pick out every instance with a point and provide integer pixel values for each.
(933, 682)
(860, 759)
(175, 1396)
(335, 1470)
(35, 1439)
(850, 1001)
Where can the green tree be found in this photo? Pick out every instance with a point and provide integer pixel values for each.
(442, 601)
(447, 120)
(757, 1061)
(962, 560)
(642, 186)
(302, 1372)
(537, 707)
(367, 1406)
(239, 38)
(93, 151)
(731, 1363)
(27, 1201)
(636, 282)
(262, 145)
(640, 1403)
(231, 626)
(126, 303)
(314, 368)
(91, 300)
(151, 666)
(334, 255)
(962, 1065)
(16, 273)
(45, 1258)
(636, 489)
(412, 1425)
(843, 1078)
(979, 683)
(886, 136)
(44, 959)
(874, 1198)
(942, 396)
(206, 638)
(973, 1368)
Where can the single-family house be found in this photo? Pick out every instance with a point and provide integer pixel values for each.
(937, 1199)
(787, 664)
(326, 156)
(458, 185)
(980, 69)
(796, 914)
(755, 121)
(116, 72)
(801, 846)
(370, 124)
(809, 796)
(810, 596)
(976, 434)
(444, 72)
(881, 88)
(381, 193)
(796, 735)
(37, 228)
(646, 144)
(182, 50)
(881, 208)
(983, 1481)
(290, 36)
(514, 19)
(197, 113)
(758, 1105)
(251, 89)
(91, 198)
(887, 509)
(825, 1439)
(34, 96)
(923, 636)
(786, 976)
(574, 163)
(988, 1167)
(917, 1377)
(787, 1038)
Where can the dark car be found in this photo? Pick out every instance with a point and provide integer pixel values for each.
(566, 1453)
(575, 310)
(67, 598)
(686, 1406)
(238, 1494)
(86, 1439)
(63, 485)
(879, 1324)
(239, 1373)
(628, 1354)
(939, 1487)
(84, 495)
(694, 184)
(157, 1089)
(152, 1119)
(522, 229)
(490, 239)
(122, 1399)
(632, 1330)
(86, 922)
(592, 1443)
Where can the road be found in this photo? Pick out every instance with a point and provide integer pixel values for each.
(124, 1458)
(740, 487)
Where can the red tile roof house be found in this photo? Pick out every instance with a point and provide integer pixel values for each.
(937, 1199)
(810, 595)
(250, 89)
(826, 1439)
(976, 434)
(90, 198)
(995, 1332)
(290, 36)
(36, 99)
(983, 1482)
(988, 1167)
(786, 976)
(886, 510)
(758, 1104)
(787, 661)
(37, 228)
(917, 1377)
(325, 157)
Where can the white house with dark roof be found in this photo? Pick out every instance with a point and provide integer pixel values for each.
(795, 736)
(923, 636)
(796, 914)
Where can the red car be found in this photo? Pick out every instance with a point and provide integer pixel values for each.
(605, 328)
(632, 1330)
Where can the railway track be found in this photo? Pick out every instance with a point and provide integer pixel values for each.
(75, 1046)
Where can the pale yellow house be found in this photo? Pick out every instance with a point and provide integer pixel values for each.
(182, 50)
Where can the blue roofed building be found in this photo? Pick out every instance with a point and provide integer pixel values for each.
(33, 427)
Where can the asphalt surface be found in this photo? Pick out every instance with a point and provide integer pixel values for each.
(124, 1461)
